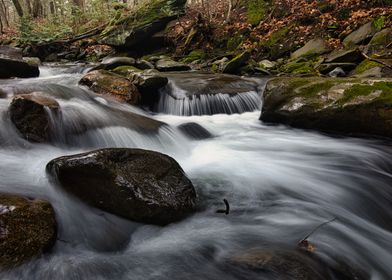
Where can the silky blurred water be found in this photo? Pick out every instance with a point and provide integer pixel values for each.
(280, 183)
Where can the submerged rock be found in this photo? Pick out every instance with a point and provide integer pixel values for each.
(143, 186)
(281, 264)
(30, 113)
(194, 131)
(360, 106)
(27, 229)
(113, 85)
(10, 67)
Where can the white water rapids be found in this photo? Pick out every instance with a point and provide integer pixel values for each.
(280, 183)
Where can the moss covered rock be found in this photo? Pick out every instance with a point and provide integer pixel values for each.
(312, 48)
(360, 106)
(169, 65)
(143, 24)
(361, 35)
(380, 41)
(27, 229)
(234, 65)
(112, 85)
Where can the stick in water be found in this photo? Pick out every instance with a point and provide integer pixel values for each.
(317, 228)
(227, 210)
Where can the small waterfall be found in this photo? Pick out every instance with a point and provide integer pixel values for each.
(198, 94)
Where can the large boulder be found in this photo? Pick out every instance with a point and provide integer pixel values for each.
(345, 56)
(143, 186)
(169, 65)
(32, 114)
(133, 31)
(380, 42)
(10, 67)
(313, 47)
(111, 85)
(359, 106)
(27, 229)
(10, 52)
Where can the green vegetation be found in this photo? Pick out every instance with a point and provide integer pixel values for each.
(193, 56)
(384, 88)
(366, 65)
(257, 10)
(379, 23)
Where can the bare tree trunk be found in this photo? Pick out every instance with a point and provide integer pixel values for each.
(4, 14)
(229, 11)
(37, 9)
(18, 7)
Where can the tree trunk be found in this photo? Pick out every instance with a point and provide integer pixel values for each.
(18, 7)
(37, 9)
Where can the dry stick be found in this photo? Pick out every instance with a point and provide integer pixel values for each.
(377, 60)
(389, 45)
(317, 228)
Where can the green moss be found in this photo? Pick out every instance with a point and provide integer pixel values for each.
(234, 42)
(365, 89)
(366, 65)
(298, 68)
(194, 55)
(257, 9)
(125, 70)
(278, 36)
(214, 68)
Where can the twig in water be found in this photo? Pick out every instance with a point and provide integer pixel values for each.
(305, 244)
(227, 210)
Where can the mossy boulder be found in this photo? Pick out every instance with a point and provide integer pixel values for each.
(380, 41)
(348, 106)
(140, 185)
(112, 85)
(366, 65)
(33, 114)
(194, 56)
(148, 82)
(27, 229)
(141, 25)
(114, 62)
(169, 65)
(312, 48)
(299, 68)
(234, 65)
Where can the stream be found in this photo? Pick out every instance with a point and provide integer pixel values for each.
(280, 182)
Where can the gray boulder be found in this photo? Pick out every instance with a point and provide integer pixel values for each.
(313, 47)
(169, 65)
(365, 32)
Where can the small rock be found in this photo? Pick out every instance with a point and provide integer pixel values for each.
(326, 68)
(266, 64)
(113, 85)
(167, 65)
(144, 64)
(140, 185)
(114, 62)
(337, 72)
(29, 114)
(27, 229)
(32, 60)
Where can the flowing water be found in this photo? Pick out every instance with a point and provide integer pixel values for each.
(280, 183)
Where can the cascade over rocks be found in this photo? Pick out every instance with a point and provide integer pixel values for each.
(112, 85)
(140, 185)
(359, 106)
(30, 115)
(13, 65)
(27, 229)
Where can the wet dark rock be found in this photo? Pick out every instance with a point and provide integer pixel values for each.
(325, 68)
(144, 64)
(27, 229)
(140, 185)
(349, 106)
(194, 131)
(10, 52)
(3, 94)
(30, 115)
(10, 67)
(112, 85)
